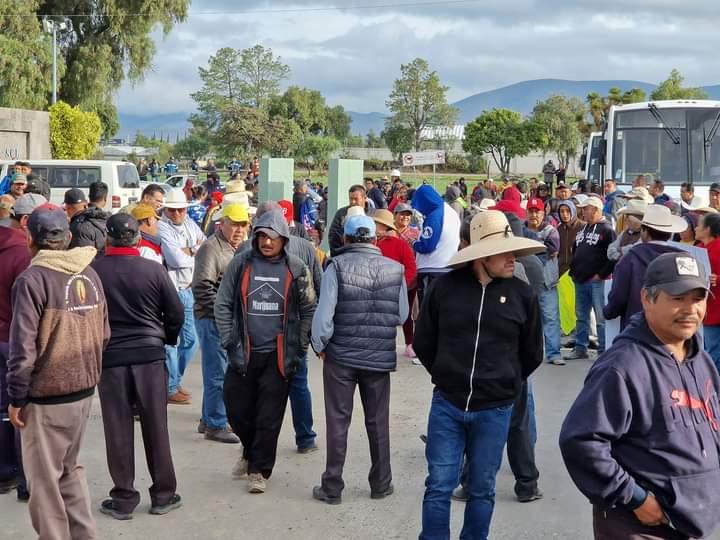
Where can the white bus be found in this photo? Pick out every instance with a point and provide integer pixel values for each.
(592, 160)
(673, 141)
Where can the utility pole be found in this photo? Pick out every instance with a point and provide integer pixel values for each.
(54, 76)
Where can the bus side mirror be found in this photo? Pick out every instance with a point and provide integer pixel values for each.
(583, 157)
(603, 151)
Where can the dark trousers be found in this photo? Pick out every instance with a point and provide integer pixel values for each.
(621, 524)
(255, 402)
(339, 384)
(145, 386)
(520, 445)
(10, 449)
(409, 324)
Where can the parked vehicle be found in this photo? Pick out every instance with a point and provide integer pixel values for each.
(120, 176)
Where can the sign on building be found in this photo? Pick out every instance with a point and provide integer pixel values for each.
(430, 157)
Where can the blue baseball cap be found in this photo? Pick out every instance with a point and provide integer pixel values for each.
(359, 226)
(48, 222)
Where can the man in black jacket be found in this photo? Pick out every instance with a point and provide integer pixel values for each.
(478, 357)
(145, 314)
(362, 301)
(263, 312)
(589, 268)
(88, 227)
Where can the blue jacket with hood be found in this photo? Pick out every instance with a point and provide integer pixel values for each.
(644, 422)
(428, 202)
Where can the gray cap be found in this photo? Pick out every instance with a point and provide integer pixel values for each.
(25, 204)
(676, 274)
(402, 207)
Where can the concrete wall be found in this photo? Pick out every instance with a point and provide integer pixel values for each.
(24, 134)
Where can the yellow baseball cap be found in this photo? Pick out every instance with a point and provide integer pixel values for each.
(142, 211)
(236, 212)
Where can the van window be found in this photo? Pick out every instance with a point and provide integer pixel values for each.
(74, 177)
(128, 176)
(40, 172)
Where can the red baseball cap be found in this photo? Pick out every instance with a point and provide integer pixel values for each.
(286, 207)
(535, 204)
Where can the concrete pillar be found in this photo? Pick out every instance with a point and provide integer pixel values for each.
(276, 179)
(342, 173)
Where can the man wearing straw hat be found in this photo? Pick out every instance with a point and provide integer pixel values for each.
(656, 228)
(479, 335)
(180, 240)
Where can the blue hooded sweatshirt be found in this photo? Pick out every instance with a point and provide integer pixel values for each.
(429, 203)
(645, 422)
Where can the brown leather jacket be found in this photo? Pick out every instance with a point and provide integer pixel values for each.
(568, 232)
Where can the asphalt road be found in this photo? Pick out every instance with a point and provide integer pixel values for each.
(215, 506)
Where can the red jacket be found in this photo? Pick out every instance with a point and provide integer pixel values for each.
(15, 257)
(712, 317)
(399, 250)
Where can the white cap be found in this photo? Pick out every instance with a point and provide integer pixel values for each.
(395, 172)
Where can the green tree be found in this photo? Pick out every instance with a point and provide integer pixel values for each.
(241, 130)
(107, 44)
(315, 150)
(221, 86)
(283, 137)
(337, 123)
(398, 138)
(25, 57)
(193, 146)
(418, 100)
(373, 140)
(304, 106)
(672, 88)
(503, 134)
(260, 73)
(558, 120)
(74, 134)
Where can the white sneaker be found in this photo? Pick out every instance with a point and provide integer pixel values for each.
(557, 362)
(416, 362)
(240, 468)
(256, 483)
(410, 352)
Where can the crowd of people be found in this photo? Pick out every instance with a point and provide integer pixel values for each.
(487, 284)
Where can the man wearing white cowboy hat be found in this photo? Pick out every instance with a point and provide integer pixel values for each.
(656, 228)
(479, 335)
(631, 216)
(180, 240)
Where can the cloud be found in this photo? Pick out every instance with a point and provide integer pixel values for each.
(353, 55)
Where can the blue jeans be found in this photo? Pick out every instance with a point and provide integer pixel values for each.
(214, 364)
(550, 307)
(711, 337)
(590, 295)
(301, 406)
(452, 432)
(178, 357)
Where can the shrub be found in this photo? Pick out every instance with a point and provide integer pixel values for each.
(74, 134)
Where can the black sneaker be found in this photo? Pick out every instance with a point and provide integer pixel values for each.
(459, 494)
(382, 494)
(107, 507)
(202, 427)
(534, 496)
(222, 435)
(320, 495)
(423, 438)
(308, 449)
(174, 503)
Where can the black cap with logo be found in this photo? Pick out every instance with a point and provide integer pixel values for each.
(676, 274)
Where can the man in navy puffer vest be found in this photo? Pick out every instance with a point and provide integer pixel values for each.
(363, 299)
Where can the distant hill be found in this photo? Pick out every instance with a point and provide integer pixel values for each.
(520, 97)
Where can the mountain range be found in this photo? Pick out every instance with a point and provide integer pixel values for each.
(521, 97)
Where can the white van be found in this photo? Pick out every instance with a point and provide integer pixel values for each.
(120, 176)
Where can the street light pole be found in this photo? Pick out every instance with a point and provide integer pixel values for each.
(54, 75)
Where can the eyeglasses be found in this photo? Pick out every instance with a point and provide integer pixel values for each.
(176, 210)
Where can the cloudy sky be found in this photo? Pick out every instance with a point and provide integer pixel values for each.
(353, 55)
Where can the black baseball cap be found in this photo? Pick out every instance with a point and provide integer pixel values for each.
(121, 226)
(74, 196)
(48, 222)
(676, 274)
(715, 186)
